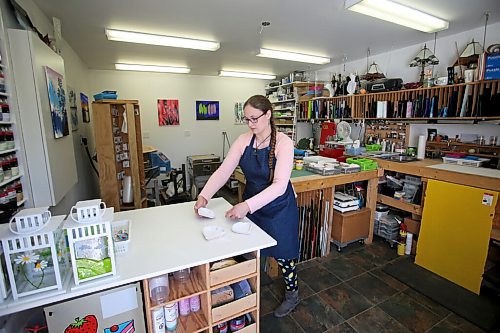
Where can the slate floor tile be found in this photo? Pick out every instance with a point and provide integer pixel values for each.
(389, 280)
(439, 310)
(374, 289)
(270, 324)
(410, 313)
(455, 324)
(318, 278)
(343, 268)
(342, 328)
(374, 320)
(345, 300)
(268, 302)
(315, 316)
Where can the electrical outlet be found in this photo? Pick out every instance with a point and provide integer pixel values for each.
(187, 133)
(145, 135)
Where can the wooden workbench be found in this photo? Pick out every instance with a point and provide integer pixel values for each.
(317, 182)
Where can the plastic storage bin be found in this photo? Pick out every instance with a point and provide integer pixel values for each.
(122, 233)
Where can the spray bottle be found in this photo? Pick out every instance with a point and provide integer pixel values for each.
(402, 237)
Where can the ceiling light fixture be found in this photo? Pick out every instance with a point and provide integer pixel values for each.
(397, 13)
(247, 75)
(151, 68)
(276, 54)
(143, 38)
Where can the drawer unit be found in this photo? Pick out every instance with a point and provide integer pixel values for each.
(233, 308)
(233, 272)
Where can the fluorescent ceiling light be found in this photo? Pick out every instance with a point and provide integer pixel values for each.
(150, 68)
(247, 75)
(399, 14)
(311, 59)
(143, 38)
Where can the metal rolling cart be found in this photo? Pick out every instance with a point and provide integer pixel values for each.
(200, 168)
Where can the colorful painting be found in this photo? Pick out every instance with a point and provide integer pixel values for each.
(87, 324)
(239, 116)
(207, 110)
(168, 112)
(126, 327)
(73, 109)
(57, 99)
(84, 100)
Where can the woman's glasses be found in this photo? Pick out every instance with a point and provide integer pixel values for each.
(253, 120)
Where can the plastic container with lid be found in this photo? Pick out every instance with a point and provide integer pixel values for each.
(158, 289)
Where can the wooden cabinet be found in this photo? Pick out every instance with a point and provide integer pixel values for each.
(118, 140)
(202, 282)
(350, 227)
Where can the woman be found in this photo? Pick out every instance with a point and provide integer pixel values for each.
(266, 158)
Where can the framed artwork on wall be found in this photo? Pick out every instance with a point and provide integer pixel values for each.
(207, 110)
(168, 112)
(57, 99)
(84, 100)
(238, 113)
(73, 108)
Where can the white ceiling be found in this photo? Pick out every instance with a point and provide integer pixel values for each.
(321, 27)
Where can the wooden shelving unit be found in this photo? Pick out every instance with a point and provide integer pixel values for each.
(466, 101)
(119, 151)
(202, 282)
(285, 100)
(445, 147)
(407, 207)
(326, 108)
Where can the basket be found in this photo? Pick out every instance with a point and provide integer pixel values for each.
(365, 163)
(121, 230)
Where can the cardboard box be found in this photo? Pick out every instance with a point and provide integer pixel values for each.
(412, 225)
(350, 226)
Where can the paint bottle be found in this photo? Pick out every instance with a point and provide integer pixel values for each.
(409, 240)
(194, 303)
(402, 239)
(171, 314)
(184, 307)
(158, 316)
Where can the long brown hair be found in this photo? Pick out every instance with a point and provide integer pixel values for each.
(262, 103)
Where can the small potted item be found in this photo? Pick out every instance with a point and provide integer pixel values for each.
(35, 251)
(90, 241)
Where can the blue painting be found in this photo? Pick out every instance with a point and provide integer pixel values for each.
(57, 99)
(207, 110)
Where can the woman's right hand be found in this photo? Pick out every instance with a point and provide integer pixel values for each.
(201, 202)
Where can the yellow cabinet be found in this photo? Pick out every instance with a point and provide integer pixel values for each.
(455, 232)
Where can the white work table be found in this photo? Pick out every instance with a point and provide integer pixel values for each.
(163, 239)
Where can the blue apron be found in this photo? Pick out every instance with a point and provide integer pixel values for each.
(280, 217)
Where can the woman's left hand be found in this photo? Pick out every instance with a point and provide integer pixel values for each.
(238, 211)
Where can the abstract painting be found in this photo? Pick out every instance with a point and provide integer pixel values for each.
(85, 108)
(57, 99)
(73, 108)
(207, 110)
(238, 114)
(168, 112)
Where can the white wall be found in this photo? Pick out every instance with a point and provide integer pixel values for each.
(191, 137)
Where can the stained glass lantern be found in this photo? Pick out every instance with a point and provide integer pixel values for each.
(91, 244)
(36, 261)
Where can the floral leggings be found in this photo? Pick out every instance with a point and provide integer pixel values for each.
(288, 269)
